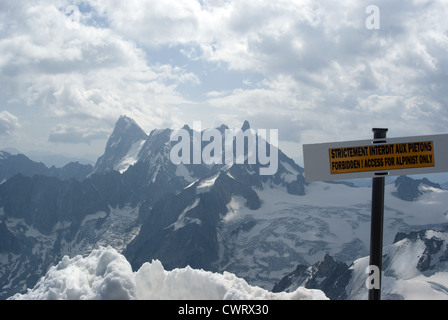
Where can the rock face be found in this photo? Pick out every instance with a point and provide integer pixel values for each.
(122, 148)
(410, 189)
(328, 275)
(181, 229)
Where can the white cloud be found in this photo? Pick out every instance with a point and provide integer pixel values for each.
(8, 123)
(310, 67)
(73, 134)
(85, 72)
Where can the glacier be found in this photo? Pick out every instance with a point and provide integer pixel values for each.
(265, 244)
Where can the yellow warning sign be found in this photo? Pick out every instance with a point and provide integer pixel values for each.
(382, 157)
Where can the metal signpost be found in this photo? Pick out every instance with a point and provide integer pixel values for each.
(376, 223)
(376, 159)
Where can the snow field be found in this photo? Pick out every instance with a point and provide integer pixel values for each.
(400, 277)
(106, 274)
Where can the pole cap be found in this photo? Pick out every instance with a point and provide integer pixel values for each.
(380, 130)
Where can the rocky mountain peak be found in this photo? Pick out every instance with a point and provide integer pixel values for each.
(245, 126)
(408, 189)
(122, 147)
(329, 275)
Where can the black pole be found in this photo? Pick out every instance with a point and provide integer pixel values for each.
(376, 226)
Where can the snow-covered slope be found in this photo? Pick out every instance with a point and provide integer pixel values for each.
(106, 274)
(415, 266)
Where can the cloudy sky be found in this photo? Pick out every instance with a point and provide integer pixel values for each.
(311, 69)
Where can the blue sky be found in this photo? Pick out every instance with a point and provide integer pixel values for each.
(310, 69)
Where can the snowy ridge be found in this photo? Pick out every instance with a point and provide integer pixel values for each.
(406, 271)
(415, 266)
(131, 157)
(106, 274)
(183, 220)
(205, 185)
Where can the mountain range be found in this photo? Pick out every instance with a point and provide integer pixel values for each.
(216, 217)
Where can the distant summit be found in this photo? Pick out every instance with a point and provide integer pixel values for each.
(123, 146)
(13, 164)
(409, 189)
(245, 126)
